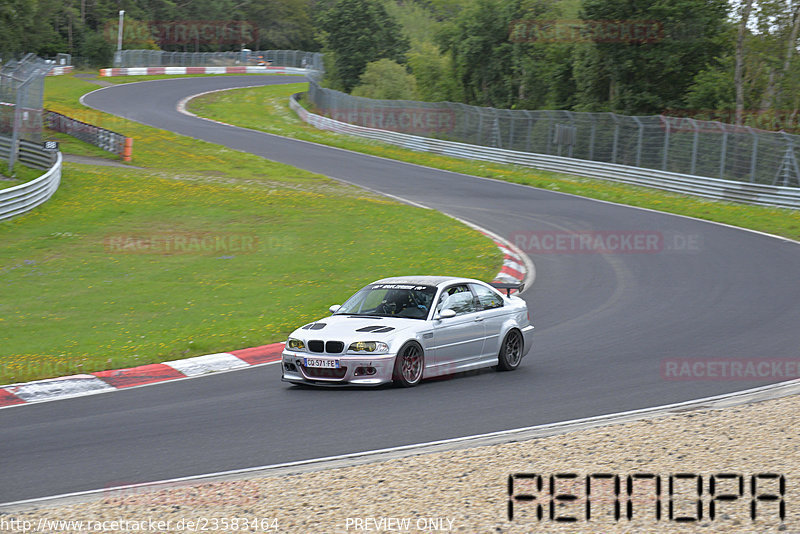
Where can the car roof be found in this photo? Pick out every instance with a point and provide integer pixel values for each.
(423, 280)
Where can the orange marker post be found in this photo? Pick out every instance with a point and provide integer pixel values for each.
(127, 152)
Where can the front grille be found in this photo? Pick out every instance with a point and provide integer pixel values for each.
(334, 347)
(322, 372)
(331, 347)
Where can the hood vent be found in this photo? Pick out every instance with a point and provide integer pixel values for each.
(376, 329)
(314, 326)
(370, 328)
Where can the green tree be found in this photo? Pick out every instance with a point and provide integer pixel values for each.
(97, 50)
(433, 71)
(388, 80)
(645, 76)
(478, 40)
(359, 32)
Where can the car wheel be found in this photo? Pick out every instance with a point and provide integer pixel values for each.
(510, 352)
(408, 365)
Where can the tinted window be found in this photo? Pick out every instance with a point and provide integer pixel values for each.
(487, 299)
(459, 299)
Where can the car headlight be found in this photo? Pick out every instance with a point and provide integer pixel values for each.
(295, 344)
(373, 347)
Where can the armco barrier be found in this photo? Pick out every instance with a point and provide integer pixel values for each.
(787, 197)
(24, 197)
(109, 141)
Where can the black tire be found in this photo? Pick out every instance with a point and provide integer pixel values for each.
(408, 365)
(510, 351)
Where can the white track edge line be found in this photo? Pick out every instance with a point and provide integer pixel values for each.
(769, 392)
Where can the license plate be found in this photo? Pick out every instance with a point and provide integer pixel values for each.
(318, 362)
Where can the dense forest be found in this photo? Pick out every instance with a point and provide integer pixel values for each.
(734, 61)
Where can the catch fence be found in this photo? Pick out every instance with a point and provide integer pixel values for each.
(672, 144)
(21, 101)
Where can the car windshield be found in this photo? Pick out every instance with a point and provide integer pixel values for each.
(390, 300)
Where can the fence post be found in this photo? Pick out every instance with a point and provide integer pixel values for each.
(12, 157)
(695, 137)
(549, 131)
(666, 145)
(510, 116)
(591, 137)
(12, 154)
(639, 141)
(753, 155)
(529, 118)
(723, 150)
(616, 138)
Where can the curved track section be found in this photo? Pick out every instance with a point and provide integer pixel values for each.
(605, 323)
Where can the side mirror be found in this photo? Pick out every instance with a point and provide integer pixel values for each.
(335, 308)
(446, 314)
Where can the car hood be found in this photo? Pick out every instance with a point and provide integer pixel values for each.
(354, 328)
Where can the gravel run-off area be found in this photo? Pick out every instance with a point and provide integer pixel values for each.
(467, 490)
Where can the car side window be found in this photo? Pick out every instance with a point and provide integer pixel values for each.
(459, 299)
(487, 299)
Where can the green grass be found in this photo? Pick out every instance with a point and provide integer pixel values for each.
(266, 109)
(113, 271)
(21, 174)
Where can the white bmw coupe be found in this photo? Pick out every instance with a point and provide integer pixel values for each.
(409, 328)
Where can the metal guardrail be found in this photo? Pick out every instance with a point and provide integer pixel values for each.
(767, 195)
(31, 154)
(108, 140)
(24, 197)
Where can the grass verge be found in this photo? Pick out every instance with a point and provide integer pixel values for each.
(202, 250)
(22, 174)
(267, 109)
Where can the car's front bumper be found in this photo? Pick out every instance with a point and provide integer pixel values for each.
(353, 370)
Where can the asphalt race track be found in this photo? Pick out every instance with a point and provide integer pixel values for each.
(605, 323)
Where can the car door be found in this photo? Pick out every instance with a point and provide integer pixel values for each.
(492, 309)
(457, 340)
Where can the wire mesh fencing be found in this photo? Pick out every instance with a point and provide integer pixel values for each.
(22, 101)
(674, 144)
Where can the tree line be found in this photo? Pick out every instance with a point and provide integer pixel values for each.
(734, 60)
(88, 28)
